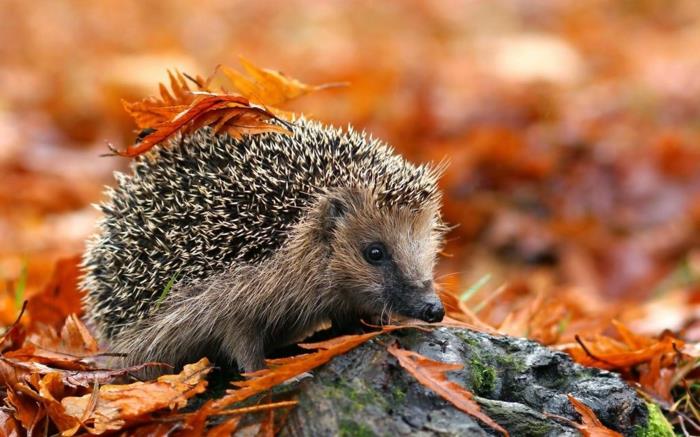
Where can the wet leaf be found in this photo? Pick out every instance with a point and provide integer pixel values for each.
(591, 426)
(431, 374)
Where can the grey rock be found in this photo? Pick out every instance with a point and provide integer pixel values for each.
(519, 383)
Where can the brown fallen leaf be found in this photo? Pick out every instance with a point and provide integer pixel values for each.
(608, 353)
(74, 348)
(27, 411)
(431, 374)
(8, 425)
(13, 371)
(591, 426)
(14, 336)
(59, 298)
(153, 429)
(51, 390)
(113, 407)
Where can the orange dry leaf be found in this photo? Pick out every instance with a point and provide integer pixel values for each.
(432, 374)
(8, 425)
(656, 380)
(113, 407)
(153, 111)
(267, 427)
(28, 411)
(457, 311)
(517, 323)
(232, 114)
(15, 334)
(283, 369)
(280, 370)
(59, 298)
(267, 87)
(74, 349)
(608, 353)
(154, 429)
(224, 429)
(51, 389)
(591, 426)
(247, 112)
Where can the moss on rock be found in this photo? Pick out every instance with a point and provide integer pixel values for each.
(657, 425)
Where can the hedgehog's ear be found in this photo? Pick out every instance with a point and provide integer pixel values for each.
(332, 211)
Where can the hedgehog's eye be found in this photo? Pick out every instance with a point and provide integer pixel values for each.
(375, 253)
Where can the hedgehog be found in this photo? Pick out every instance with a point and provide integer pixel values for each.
(232, 248)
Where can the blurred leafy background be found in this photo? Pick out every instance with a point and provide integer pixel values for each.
(571, 127)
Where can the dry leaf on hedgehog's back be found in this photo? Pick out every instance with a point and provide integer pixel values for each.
(268, 87)
(153, 111)
(232, 114)
(431, 374)
(247, 112)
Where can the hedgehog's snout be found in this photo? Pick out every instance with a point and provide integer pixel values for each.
(421, 303)
(433, 312)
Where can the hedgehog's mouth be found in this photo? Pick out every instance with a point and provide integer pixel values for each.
(411, 303)
(391, 318)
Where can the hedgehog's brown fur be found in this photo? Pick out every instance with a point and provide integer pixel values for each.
(271, 284)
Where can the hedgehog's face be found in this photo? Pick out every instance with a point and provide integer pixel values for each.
(382, 259)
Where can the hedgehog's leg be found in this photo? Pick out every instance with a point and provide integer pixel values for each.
(347, 324)
(247, 350)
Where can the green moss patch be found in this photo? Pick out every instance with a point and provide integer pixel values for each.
(657, 425)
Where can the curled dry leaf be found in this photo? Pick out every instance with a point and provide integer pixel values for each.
(51, 389)
(591, 426)
(431, 374)
(113, 407)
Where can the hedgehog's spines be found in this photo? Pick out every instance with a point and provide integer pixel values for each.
(203, 202)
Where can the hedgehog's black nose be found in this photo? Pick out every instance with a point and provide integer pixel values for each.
(434, 312)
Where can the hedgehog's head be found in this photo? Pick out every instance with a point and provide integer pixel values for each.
(382, 256)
